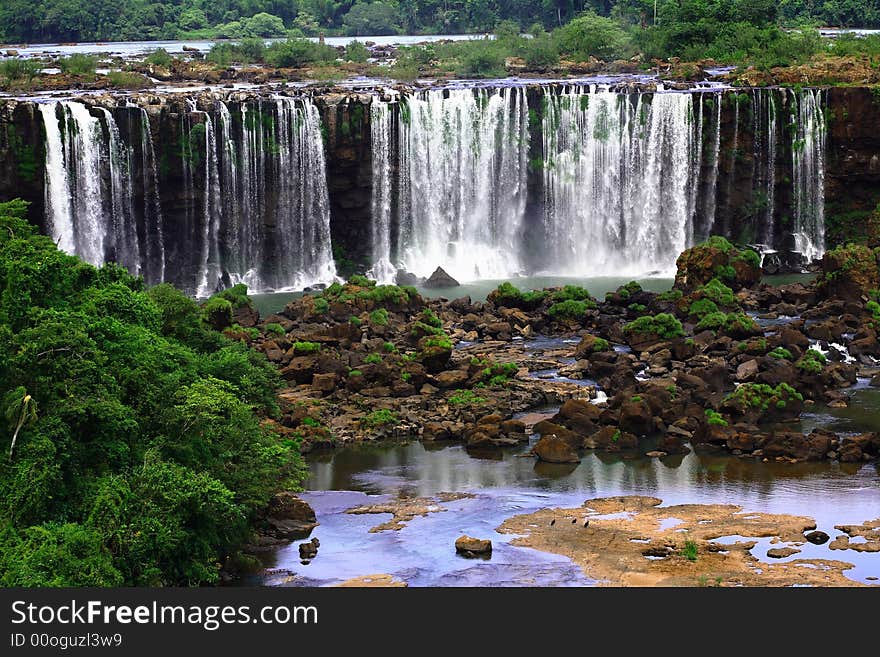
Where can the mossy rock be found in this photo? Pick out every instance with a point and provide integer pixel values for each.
(849, 272)
(717, 258)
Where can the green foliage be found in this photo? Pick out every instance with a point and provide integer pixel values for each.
(591, 35)
(379, 418)
(812, 362)
(373, 358)
(356, 52)
(663, 325)
(361, 281)
(719, 293)
(670, 296)
(379, 317)
(718, 242)
(355, 321)
(571, 293)
(128, 80)
(371, 18)
(715, 418)
(159, 57)
(570, 310)
(302, 348)
(466, 398)
(275, 328)
(761, 395)
(712, 322)
(78, 64)
(430, 318)
(781, 353)
(140, 453)
(702, 307)
(295, 53)
(390, 294)
(321, 305)
(690, 550)
(750, 257)
(510, 296)
(16, 69)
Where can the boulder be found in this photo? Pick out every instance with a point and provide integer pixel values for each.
(817, 537)
(747, 371)
(289, 517)
(325, 383)
(792, 444)
(548, 428)
(555, 450)
(440, 279)
(452, 379)
(636, 417)
(611, 439)
(301, 369)
(469, 546)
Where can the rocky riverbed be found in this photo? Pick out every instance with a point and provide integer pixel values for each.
(720, 364)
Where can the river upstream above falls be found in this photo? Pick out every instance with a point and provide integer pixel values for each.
(510, 483)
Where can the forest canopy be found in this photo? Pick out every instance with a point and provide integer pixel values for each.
(134, 446)
(125, 20)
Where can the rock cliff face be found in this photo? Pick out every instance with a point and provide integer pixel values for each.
(225, 173)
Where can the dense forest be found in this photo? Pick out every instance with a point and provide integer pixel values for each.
(117, 20)
(135, 450)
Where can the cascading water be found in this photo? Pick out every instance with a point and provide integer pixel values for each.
(381, 123)
(74, 197)
(153, 252)
(125, 234)
(620, 177)
(764, 162)
(808, 153)
(275, 207)
(463, 158)
(628, 181)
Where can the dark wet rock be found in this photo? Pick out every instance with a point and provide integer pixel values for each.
(548, 428)
(612, 439)
(468, 546)
(555, 450)
(636, 417)
(406, 278)
(817, 537)
(795, 445)
(289, 517)
(308, 551)
(440, 279)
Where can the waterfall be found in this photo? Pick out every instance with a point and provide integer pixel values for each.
(210, 272)
(808, 166)
(273, 207)
(463, 157)
(711, 186)
(74, 197)
(381, 122)
(764, 130)
(154, 244)
(125, 235)
(620, 172)
(59, 210)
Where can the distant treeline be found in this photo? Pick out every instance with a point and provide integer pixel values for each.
(115, 20)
